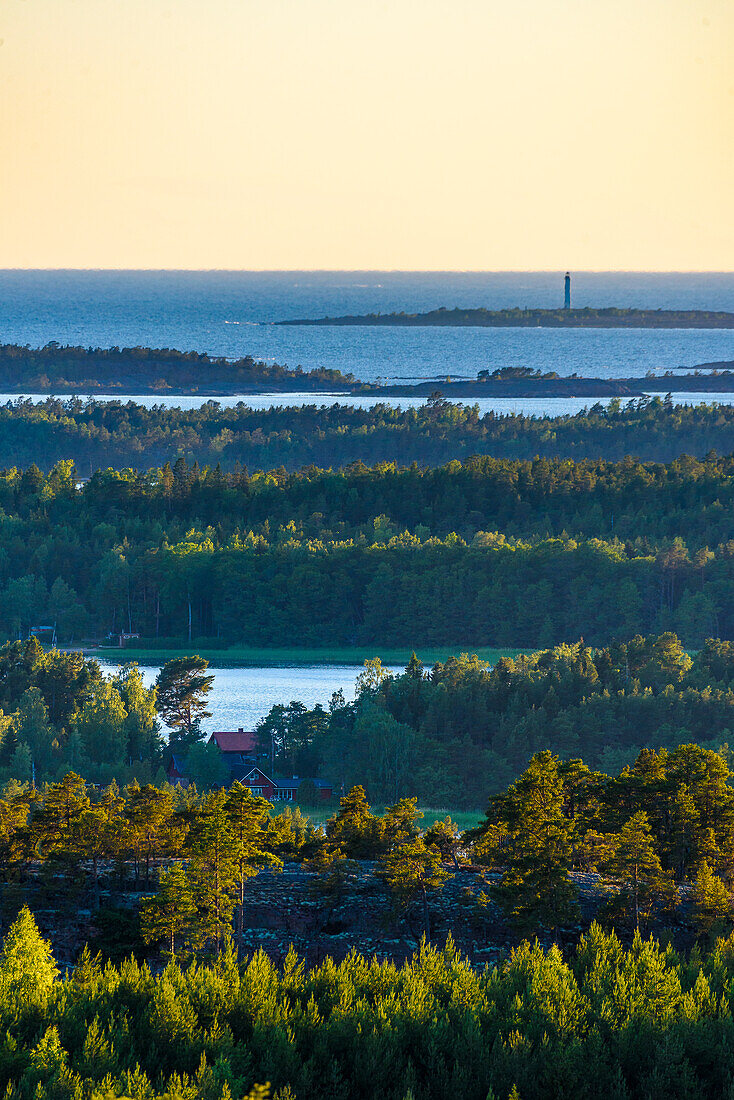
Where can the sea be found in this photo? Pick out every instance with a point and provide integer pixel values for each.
(231, 313)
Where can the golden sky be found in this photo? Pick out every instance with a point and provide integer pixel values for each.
(414, 134)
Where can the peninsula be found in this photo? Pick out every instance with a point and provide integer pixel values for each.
(588, 317)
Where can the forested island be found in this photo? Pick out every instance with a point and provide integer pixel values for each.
(588, 317)
(57, 369)
(527, 382)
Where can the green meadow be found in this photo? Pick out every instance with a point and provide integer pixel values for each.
(258, 657)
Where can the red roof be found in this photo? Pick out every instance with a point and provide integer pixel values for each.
(235, 740)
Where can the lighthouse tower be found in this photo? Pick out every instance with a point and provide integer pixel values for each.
(567, 292)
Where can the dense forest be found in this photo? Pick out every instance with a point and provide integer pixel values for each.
(456, 732)
(99, 434)
(58, 711)
(490, 552)
(58, 367)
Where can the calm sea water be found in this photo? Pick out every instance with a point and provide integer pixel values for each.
(242, 696)
(229, 313)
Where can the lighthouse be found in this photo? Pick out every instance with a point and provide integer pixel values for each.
(567, 292)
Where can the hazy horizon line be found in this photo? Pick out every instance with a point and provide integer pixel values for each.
(381, 270)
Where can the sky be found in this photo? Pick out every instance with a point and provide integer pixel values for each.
(358, 134)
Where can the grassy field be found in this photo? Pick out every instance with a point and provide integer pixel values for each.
(464, 819)
(254, 657)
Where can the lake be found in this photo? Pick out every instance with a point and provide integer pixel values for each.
(525, 406)
(242, 696)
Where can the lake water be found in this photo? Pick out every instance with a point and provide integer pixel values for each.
(230, 313)
(242, 696)
(527, 406)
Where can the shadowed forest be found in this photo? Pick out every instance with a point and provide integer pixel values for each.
(99, 434)
(491, 552)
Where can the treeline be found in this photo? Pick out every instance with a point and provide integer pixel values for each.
(656, 840)
(491, 552)
(134, 370)
(461, 729)
(98, 433)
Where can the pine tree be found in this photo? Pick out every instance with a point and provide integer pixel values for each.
(27, 967)
(412, 871)
(355, 829)
(536, 888)
(171, 912)
(712, 902)
(152, 829)
(182, 687)
(635, 861)
(102, 831)
(247, 816)
(213, 871)
(56, 826)
(445, 836)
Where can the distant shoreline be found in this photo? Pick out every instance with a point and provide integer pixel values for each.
(608, 317)
(165, 373)
(721, 381)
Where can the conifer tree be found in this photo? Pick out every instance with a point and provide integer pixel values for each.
(182, 687)
(535, 888)
(152, 829)
(413, 870)
(55, 828)
(213, 871)
(445, 836)
(246, 816)
(712, 902)
(635, 861)
(27, 967)
(355, 829)
(171, 912)
(102, 831)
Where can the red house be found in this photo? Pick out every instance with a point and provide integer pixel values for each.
(240, 743)
(238, 749)
(176, 770)
(288, 788)
(260, 784)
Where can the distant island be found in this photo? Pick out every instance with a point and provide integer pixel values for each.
(609, 317)
(55, 369)
(58, 368)
(526, 382)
